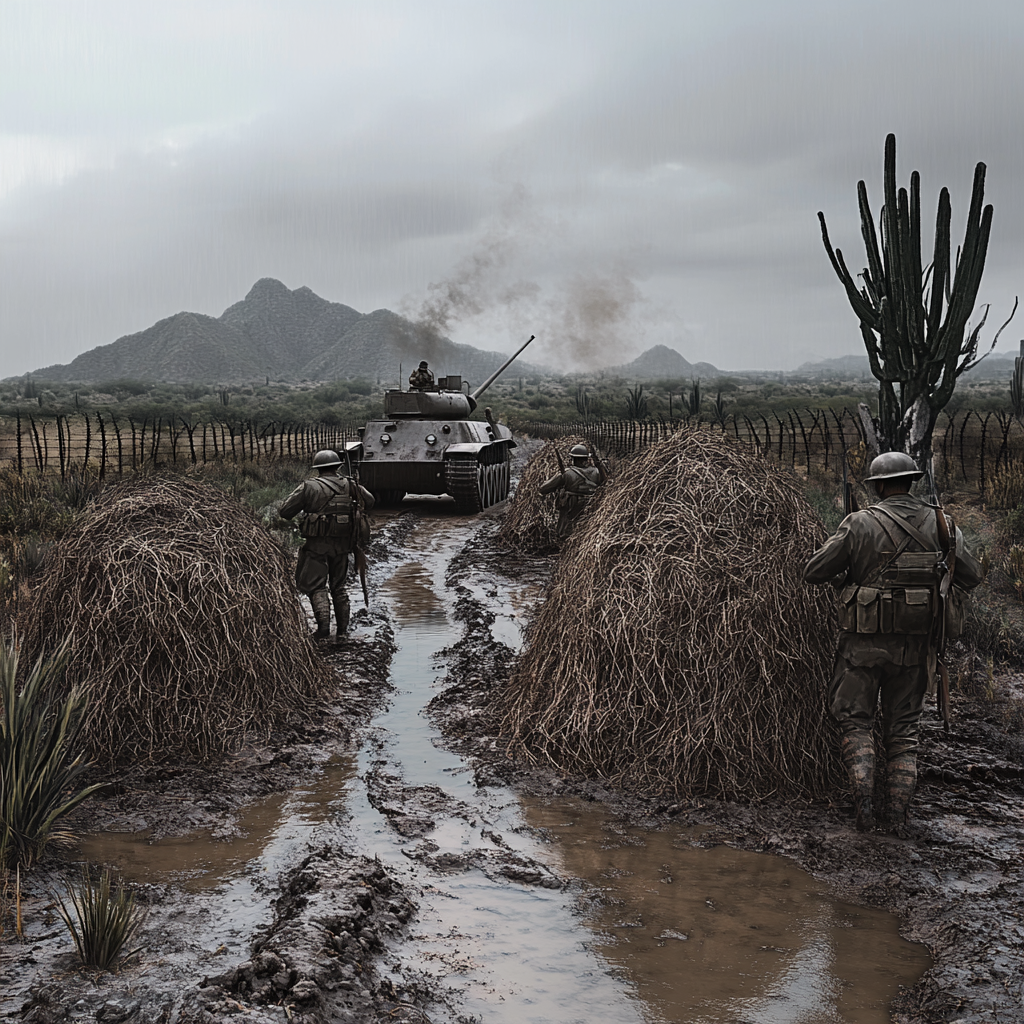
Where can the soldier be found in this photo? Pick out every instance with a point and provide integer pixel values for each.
(575, 485)
(333, 505)
(888, 562)
(421, 378)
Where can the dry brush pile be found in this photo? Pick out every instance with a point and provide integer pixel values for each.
(186, 631)
(531, 520)
(678, 647)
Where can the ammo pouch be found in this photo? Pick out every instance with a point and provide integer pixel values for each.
(902, 598)
(333, 520)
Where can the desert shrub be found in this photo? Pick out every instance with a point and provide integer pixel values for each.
(678, 647)
(1005, 487)
(102, 919)
(40, 757)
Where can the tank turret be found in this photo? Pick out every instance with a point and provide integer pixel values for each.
(427, 444)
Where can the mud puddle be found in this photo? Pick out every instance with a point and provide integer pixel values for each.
(721, 935)
(669, 931)
(233, 868)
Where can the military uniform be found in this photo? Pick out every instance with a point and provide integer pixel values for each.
(330, 502)
(887, 562)
(421, 378)
(575, 486)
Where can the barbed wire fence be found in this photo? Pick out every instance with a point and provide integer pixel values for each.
(968, 445)
(112, 445)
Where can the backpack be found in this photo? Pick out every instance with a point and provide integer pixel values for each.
(334, 517)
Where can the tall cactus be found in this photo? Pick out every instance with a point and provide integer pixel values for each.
(1017, 386)
(913, 319)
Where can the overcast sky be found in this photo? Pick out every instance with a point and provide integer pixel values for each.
(606, 175)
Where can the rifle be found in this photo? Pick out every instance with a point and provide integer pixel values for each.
(849, 498)
(947, 543)
(360, 511)
(602, 469)
(558, 455)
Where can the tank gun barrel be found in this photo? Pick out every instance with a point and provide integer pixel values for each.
(497, 373)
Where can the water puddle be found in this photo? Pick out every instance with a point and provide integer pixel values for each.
(722, 935)
(230, 868)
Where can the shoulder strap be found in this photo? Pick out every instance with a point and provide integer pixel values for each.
(908, 527)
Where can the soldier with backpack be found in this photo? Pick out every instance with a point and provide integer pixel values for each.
(576, 485)
(902, 570)
(334, 526)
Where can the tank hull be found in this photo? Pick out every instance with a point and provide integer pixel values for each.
(468, 459)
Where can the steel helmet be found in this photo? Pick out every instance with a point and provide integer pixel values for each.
(579, 451)
(892, 465)
(423, 364)
(325, 459)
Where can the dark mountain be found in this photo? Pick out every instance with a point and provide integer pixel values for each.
(283, 334)
(664, 362)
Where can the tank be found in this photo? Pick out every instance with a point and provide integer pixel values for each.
(427, 444)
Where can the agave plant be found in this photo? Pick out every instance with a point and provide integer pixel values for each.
(102, 918)
(39, 767)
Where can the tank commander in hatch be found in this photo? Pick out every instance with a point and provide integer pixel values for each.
(575, 486)
(901, 568)
(334, 525)
(421, 378)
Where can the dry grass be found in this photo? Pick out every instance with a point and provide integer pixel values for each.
(678, 648)
(187, 634)
(531, 520)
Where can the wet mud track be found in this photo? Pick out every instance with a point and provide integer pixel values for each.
(397, 866)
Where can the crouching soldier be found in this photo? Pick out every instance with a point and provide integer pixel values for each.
(333, 526)
(575, 486)
(901, 568)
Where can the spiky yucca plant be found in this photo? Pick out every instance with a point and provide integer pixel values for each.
(39, 765)
(102, 918)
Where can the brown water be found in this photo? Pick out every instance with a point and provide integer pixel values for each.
(724, 935)
(652, 930)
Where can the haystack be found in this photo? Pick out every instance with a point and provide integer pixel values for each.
(187, 633)
(531, 520)
(678, 647)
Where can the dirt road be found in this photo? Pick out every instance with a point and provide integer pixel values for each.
(394, 865)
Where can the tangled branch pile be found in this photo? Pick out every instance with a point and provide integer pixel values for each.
(678, 647)
(187, 634)
(531, 520)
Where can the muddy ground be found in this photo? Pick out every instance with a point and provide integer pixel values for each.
(956, 879)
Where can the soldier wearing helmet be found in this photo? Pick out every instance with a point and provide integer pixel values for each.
(887, 562)
(575, 485)
(421, 378)
(332, 503)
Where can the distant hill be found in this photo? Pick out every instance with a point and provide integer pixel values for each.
(664, 362)
(281, 334)
(855, 367)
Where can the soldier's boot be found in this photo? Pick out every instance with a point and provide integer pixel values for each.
(859, 757)
(321, 602)
(902, 773)
(342, 611)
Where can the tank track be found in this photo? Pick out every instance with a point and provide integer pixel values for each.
(476, 486)
(462, 479)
